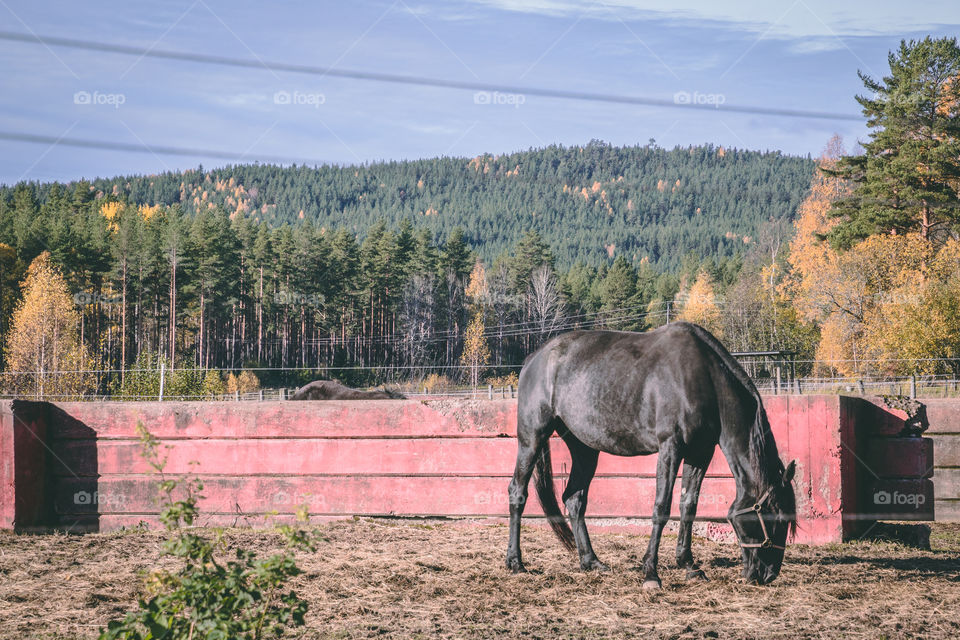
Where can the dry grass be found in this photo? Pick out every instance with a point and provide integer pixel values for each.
(387, 579)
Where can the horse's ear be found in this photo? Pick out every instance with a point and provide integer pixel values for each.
(789, 472)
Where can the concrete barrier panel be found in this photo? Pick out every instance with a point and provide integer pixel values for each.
(418, 458)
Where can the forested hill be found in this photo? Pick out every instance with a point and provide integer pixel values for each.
(590, 203)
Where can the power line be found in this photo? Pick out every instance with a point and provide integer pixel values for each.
(677, 102)
(145, 148)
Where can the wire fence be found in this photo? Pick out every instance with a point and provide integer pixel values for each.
(930, 386)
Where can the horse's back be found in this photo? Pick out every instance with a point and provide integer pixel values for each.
(619, 391)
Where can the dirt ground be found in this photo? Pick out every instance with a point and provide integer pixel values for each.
(374, 578)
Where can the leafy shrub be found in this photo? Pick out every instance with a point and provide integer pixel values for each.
(246, 382)
(511, 379)
(183, 382)
(436, 382)
(143, 380)
(206, 597)
(212, 384)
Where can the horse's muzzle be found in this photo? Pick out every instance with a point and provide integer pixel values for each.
(761, 576)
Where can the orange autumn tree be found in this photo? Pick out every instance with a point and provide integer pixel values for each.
(478, 288)
(815, 274)
(476, 351)
(699, 305)
(884, 305)
(922, 325)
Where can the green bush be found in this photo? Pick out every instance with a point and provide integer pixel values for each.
(143, 379)
(187, 383)
(205, 597)
(212, 384)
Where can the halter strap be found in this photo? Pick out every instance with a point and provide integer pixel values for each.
(757, 506)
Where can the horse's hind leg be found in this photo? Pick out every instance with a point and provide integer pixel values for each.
(532, 435)
(575, 498)
(668, 463)
(690, 494)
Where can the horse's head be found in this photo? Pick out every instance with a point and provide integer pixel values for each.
(762, 524)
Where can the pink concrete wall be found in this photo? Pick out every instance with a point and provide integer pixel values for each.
(404, 458)
(944, 416)
(24, 477)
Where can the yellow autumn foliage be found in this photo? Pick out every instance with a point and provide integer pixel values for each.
(147, 211)
(886, 306)
(110, 210)
(43, 349)
(477, 285)
(476, 351)
(699, 305)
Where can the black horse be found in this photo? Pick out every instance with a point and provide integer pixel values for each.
(675, 391)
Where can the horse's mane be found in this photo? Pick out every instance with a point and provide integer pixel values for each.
(764, 457)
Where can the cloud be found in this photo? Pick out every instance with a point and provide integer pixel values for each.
(817, 45)
(436, 129)
(802, 19)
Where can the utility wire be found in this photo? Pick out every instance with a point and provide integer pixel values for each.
(145, 148)
(563, 94)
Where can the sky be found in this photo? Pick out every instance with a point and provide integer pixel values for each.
(172, 114)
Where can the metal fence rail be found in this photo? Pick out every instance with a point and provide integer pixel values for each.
(928, 387)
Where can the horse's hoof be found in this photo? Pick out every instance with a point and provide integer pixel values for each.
(594, 565)
(652, 584)
(515, 566)
(697, 575)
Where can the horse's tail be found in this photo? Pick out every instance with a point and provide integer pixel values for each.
(546, 494)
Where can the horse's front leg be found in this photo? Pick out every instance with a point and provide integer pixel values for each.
(690, 494)
(668, 463)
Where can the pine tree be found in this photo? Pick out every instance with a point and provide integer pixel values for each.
(456, 257)
(11, 271)
(617, 292)
(907, 178)
(530, 253)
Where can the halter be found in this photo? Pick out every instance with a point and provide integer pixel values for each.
(767, 541)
